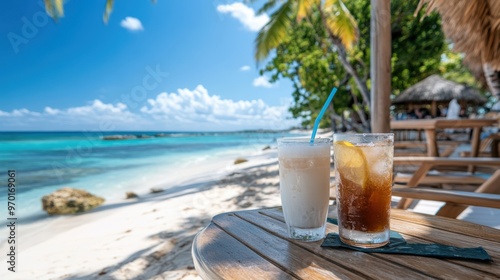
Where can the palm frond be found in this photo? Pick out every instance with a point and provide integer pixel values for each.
(341, 23)
(274, 32)
(108, 10)
(54, 8)
(268, 6)
(304, 7)
(59, 7)
(49, 7)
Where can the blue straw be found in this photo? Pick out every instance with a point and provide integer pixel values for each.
(321, 113)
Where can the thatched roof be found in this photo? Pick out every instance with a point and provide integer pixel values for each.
(473, 26)
(435, 88)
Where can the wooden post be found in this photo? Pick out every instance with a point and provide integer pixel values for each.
(380, 66)
(434, 109)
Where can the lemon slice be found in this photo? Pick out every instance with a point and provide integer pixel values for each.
(351, 163)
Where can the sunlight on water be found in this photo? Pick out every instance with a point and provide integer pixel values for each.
(47, 161)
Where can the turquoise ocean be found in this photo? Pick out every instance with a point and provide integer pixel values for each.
(47, 161)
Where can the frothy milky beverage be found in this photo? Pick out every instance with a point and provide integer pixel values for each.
(304, 186)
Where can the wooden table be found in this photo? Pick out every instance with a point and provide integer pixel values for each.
(253, 245)
(431, 125)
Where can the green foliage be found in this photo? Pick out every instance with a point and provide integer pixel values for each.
(55, 9)
(337, 20)
(308, 60)
(452, 68)
(275, 31)
(314, 70)
(107, 10)
(417, 43)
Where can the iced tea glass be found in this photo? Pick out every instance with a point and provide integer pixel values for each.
(363, 172)
(304, 170)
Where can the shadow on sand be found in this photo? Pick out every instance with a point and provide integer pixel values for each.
(168, 259)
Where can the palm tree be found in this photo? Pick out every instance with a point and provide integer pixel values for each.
(474, 28)
(492, 79)
(55, 8)
(339, 24)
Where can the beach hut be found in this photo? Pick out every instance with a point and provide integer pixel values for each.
(434, 91)
(474, 28)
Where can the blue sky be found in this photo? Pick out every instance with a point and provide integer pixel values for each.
(174, 65)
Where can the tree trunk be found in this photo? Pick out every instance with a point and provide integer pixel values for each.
(332, 118)
(365, 93)
(361, 114)
(349, 68)
(342, 120)
(334, 123)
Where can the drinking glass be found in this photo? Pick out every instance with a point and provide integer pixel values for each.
(363, 172)
(304, 170)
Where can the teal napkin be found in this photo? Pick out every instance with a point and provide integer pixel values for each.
(398, 245)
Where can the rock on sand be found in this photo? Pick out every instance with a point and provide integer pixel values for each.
(70, 201)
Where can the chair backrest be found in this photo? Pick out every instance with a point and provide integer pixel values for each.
(449, 196)
(452, 208)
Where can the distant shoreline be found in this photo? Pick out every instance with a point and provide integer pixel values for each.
(153, 131)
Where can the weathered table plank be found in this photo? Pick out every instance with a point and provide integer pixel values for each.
(220, 256)
(448, 224)
(431, 266)
(254, 245)
(288, 256)
(352, 260)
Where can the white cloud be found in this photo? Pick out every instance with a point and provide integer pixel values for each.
(185, 109)
(20, 112)
(245, 15)
(51, 111)
(262, 81)
(97, 107)
(245, 68)
(83, 117)
(197, 108)
(132, 24)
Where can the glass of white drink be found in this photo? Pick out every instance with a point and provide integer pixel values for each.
(304, 169)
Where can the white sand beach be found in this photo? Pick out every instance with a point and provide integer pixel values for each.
(150, 237)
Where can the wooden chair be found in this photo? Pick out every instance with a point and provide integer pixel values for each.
(421, 176)
(426, 172)
(488, 147)
(456, 201)
(449, 196)
(419, 148)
